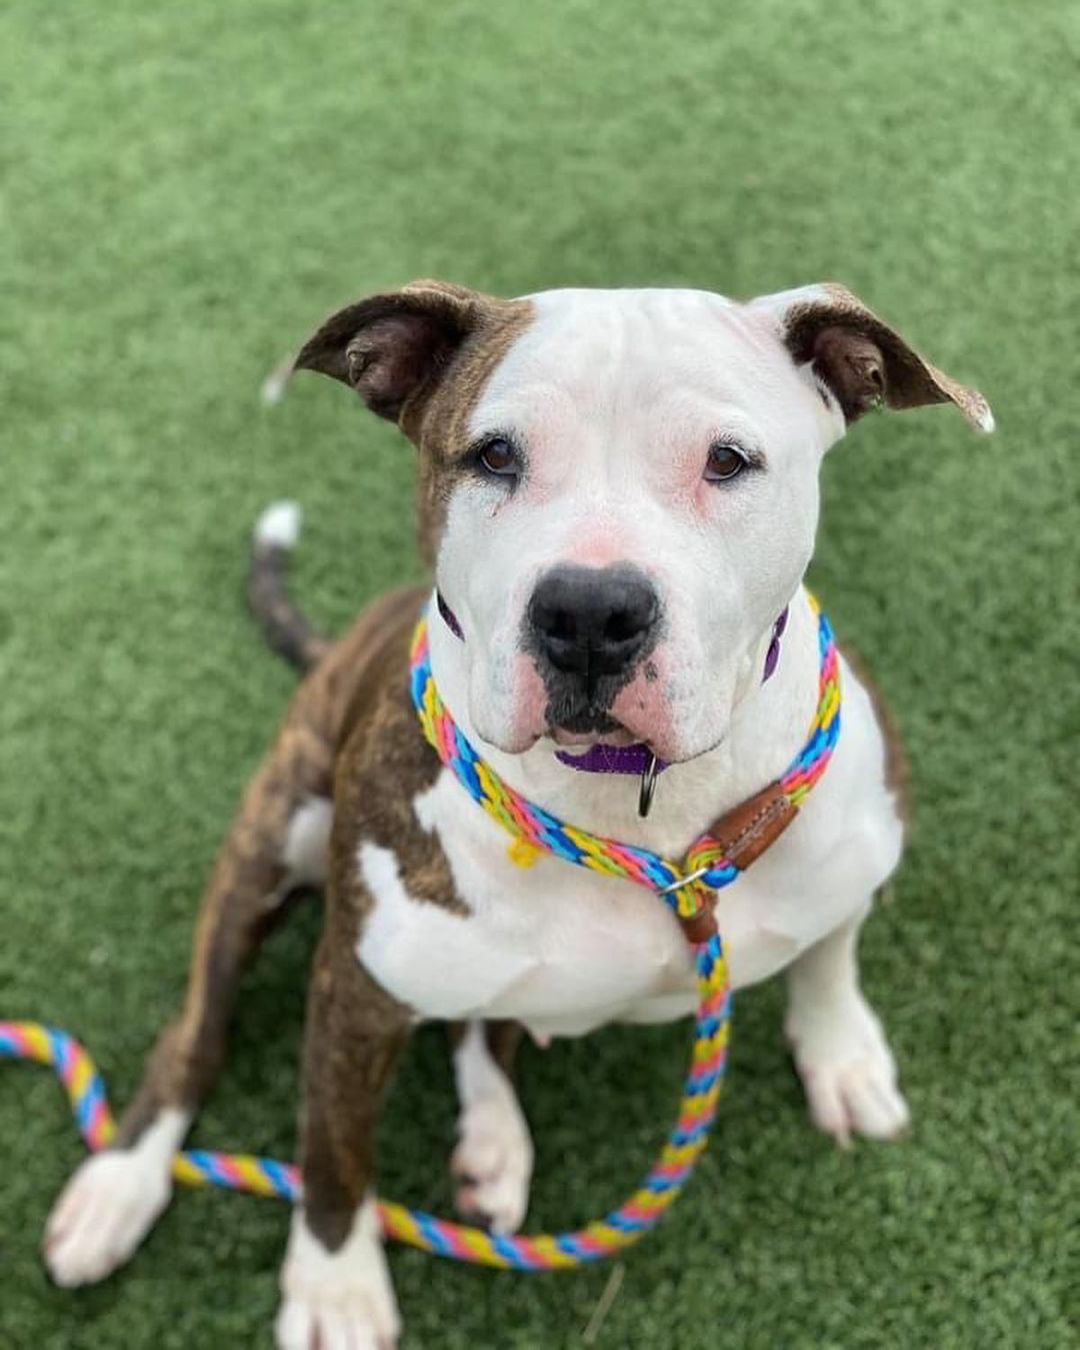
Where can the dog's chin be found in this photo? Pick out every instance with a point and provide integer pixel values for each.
(571, 738)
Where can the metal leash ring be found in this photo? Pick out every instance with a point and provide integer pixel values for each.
(688, 880)
(648, 786)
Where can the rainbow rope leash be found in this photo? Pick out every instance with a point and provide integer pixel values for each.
(542, 832)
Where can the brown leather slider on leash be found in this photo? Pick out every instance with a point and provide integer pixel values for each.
(741, 835)
(747, 830)
(700, 927)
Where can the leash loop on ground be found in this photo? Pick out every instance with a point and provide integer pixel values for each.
(546, 1251)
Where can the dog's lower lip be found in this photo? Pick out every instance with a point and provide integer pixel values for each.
(577, 742)
(583, 740)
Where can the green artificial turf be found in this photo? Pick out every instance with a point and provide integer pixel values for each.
(187, 190)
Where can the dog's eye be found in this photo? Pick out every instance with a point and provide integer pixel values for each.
(498, 457)
(725, 461)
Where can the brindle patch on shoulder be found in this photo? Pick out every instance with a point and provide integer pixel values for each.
(247, 891)
(356, 1029)
(384, 764)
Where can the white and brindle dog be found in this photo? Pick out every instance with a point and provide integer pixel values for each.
(619, 496)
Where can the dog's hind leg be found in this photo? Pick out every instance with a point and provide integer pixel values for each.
(277, 842)
(494, 1156)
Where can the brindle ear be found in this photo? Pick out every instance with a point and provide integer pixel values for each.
(862, 361)
(392, 348)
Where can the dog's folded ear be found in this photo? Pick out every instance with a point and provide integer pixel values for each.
(862, 362)
(392, 348)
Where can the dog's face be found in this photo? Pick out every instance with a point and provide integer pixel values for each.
(640, 506)
(619, 488)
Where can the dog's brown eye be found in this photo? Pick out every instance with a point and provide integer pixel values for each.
(498, 457)
(725, 461)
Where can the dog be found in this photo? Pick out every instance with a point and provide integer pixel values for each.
(618, 498)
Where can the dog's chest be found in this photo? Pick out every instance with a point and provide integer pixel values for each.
(554, 946)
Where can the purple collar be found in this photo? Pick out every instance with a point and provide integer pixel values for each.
(628, 759)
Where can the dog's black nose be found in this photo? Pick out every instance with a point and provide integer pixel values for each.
(593, 621)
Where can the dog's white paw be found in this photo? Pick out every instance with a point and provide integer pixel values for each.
(341, 1300)
(494, 1162)
(848, 1071)
(110, 1203)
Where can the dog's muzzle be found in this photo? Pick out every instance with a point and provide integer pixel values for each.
(589, 628)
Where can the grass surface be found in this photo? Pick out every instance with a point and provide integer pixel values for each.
(186, 191)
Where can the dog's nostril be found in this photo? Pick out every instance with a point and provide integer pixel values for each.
(559, 624)
(623, 625)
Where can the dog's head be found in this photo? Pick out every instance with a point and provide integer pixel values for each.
(619, 488)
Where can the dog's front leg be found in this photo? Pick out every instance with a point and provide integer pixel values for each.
(840, 1050)
(335, 1281)
(493, 1160)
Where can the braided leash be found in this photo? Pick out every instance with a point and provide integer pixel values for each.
(685, 891)
(264, 1176)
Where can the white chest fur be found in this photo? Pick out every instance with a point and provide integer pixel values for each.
(564, 950)
(557, 948)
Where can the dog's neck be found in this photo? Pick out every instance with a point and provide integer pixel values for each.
(767, 728)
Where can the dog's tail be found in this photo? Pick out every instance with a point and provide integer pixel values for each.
(285, 628)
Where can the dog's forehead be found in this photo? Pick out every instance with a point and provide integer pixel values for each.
(593, 346)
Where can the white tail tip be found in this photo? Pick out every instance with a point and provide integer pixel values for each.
(272, 389)
(279, 525)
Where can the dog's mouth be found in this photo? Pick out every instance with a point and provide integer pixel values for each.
(589, 730)
(581, 722)
(584, 731)
(607, 748)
